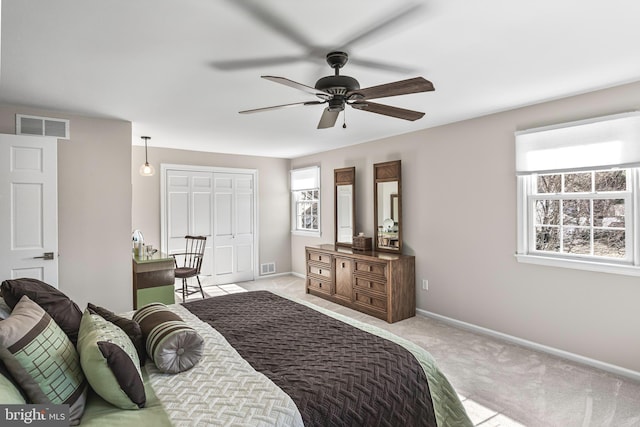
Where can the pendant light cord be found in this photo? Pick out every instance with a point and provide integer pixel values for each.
(146, 138)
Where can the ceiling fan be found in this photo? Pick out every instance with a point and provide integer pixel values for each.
(338, 91)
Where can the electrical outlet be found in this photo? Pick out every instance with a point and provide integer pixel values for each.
(425, 285)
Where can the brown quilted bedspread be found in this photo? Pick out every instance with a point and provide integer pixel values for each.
(337, 375)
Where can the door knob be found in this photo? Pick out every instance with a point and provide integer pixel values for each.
(46, 256)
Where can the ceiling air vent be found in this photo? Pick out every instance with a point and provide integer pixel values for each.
(42, 126)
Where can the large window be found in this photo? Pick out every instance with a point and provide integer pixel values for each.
(578, 195)
(305, 201)
(581, 214)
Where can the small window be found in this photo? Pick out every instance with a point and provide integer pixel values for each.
(579, 195)
(305, 201)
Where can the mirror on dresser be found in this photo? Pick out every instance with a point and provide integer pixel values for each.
(345, 207)
(387, 202)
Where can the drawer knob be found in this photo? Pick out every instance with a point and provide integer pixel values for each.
(343, 265)
(319, 271)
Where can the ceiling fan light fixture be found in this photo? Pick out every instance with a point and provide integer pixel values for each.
(336, 104)
(146, 169)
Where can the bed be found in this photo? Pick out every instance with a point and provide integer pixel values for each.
(269, 360)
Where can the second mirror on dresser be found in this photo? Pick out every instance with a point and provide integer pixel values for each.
(344, 202)
(387, 202)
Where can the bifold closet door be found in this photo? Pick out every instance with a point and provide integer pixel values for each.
(234, 224)
(189, 211)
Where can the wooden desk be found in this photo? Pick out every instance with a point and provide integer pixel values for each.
(153, 279)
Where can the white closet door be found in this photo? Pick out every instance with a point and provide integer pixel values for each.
(189, 207)
(29, 208)
(234, 227)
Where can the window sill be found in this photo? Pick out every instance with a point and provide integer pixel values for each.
(306, 233)
(601, 267)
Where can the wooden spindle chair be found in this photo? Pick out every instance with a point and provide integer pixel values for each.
(191, 265)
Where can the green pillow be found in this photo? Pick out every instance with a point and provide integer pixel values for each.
(110, 362)
(130, 327)
(42, 359)
(9, 394)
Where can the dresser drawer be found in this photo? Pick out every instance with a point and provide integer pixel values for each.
(375, 269)
(319, 257)
(364, 283)
(317, 285)
(319, 270)
(370, 301)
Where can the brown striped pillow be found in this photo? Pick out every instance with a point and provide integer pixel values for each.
(173, 345)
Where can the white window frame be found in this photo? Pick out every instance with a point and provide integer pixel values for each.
(527, 252)
(305, 179)
(538, 158)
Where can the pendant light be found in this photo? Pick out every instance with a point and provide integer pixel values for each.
(146, 169)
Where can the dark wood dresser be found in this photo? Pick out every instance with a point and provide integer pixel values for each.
(376, 283)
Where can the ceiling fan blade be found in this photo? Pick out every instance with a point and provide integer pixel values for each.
(241, 64)
(328, 119)
(367, 63)
(402, 87)
(273, 21)
(279, 107)
(387, 110)
(296, 85)
(390, 19)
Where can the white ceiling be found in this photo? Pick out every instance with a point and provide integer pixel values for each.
(152, 62)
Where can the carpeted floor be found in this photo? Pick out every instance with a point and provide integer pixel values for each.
(501, 384)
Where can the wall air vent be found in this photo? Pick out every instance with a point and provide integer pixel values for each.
(267, 268)
(42, 126)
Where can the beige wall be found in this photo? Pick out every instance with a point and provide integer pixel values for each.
(459, 212)
(459, 221)
(94, 208)
(273, 197)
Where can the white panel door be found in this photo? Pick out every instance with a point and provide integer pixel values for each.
(188, 207)
(234, 225)
(29, 208)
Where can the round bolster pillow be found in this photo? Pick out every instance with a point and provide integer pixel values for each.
(173, 345)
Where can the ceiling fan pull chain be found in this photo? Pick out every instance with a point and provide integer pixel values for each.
(344, 118)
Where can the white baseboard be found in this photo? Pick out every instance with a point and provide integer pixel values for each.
(614, 369)
(268, 276)
(302, 276)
